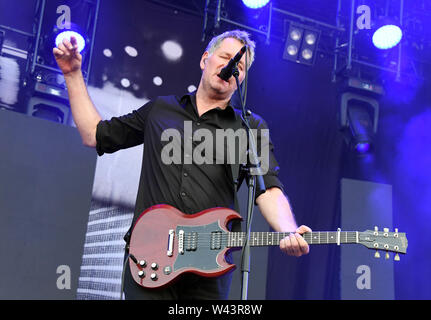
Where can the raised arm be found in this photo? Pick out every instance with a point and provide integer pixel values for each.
(84, 112)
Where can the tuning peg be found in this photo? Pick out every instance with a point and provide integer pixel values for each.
(385, 229)
(376, 230)
(396, 230)
(397, 257)
(377, 254)
(387, 255)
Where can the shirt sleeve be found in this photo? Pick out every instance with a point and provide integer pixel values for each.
(122, 132)
(269, 165)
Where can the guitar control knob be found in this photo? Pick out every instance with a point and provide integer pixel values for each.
(154, 266)
(141, 274)
(143, 263)
(154, 276)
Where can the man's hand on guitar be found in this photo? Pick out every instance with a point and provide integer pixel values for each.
(294, 244)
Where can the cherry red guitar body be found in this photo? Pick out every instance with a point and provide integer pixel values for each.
(167, 243)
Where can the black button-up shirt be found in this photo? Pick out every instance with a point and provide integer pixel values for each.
(186, 185)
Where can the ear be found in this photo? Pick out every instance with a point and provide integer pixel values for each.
(203, 60)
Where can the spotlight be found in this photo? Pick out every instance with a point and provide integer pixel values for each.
(387, 37)
(386, 33)
(292, 50)
(67, 34)
(301, 44)
(362, 147)
(255, 4)
(360, 124)
(307, 54)
(310, 39)
(74, 31)
(296, 34)
(359, 114)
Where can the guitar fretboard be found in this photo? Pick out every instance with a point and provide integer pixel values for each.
(237, 239)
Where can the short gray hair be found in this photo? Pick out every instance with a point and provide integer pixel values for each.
(241, 36)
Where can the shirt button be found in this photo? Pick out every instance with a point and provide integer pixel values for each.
(185, 174)
(183, 194)
(198, 124)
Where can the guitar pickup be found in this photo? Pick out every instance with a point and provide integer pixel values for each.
(191, 241)
(171, 236)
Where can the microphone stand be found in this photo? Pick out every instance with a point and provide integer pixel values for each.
(252, 178)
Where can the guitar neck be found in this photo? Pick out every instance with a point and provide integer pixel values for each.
(237, 239)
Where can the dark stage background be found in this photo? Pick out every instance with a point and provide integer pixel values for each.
(300, 105)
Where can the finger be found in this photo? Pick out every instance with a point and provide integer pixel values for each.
(57, 52)
(74, 42)
(303, 245)
(303, 229)
(285, 246)
(65, 51)
(294, 245)
(67, 44)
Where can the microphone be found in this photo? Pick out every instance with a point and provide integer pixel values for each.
(227, 71)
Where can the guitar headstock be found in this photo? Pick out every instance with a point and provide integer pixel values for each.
(384, 241)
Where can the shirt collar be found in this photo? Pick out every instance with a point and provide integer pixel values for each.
(192, 98)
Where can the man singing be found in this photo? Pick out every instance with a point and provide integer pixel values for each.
(189, 187)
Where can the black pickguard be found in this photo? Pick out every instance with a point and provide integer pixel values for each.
(202, 256)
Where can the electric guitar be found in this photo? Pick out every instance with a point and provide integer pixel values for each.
(166, 243)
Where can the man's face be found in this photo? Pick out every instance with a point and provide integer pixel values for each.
(211, 66)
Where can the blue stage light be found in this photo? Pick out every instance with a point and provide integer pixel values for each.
(67, 34)
(387, 36)
(255, 4)
(362, 147)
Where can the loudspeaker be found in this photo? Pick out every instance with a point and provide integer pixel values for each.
(48, 109)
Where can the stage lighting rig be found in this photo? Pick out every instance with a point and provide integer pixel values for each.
(54, 21)
(359, 114)
(301, 44)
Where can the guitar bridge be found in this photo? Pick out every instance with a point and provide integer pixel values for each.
(171, 243)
